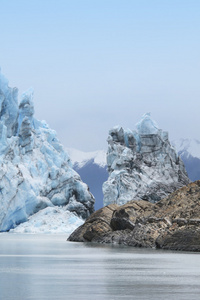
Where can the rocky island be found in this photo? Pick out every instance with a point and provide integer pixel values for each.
(172, 223)
(149, 200)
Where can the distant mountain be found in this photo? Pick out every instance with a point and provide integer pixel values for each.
(189, 151)
(91, 166)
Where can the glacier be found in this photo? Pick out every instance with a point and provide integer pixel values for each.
(142, 164)
(50, 220)
(35, 170)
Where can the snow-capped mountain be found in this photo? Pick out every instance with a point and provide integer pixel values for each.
(35, 170)
(81, 158)
(92, 168)
(190, 147)
(142, 164)
(189, 151)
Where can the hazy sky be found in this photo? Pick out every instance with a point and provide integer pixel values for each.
(95, 64)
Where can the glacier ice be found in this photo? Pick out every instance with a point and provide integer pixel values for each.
(50, 220)
(147, 125)
(35, 170)
(141, 164)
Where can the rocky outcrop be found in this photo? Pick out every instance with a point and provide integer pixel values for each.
(172, 223)
(35, 170)
(98, 224)
(142, 164)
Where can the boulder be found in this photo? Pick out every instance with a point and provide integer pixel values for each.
(172, 223)
(96, 225)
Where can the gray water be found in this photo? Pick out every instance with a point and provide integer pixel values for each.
(48, 267)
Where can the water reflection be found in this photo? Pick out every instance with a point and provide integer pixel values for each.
(48, 267)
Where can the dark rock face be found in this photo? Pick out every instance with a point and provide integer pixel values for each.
(172, 223)
(97, 224)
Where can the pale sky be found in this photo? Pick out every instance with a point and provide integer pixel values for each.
(95, 64)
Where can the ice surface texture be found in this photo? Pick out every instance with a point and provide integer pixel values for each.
(50, 220)
(141, 164)
(35, 171)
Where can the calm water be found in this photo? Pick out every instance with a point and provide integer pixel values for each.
(48, 267)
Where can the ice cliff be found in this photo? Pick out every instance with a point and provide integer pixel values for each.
(35, 171)
(141, 164)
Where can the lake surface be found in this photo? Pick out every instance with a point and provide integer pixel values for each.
(48, 267)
